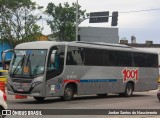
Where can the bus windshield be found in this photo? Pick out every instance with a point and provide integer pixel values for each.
(28, 63)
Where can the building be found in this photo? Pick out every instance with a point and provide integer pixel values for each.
(5, 46)
(51, 37)
(42, 38)
(98, 34)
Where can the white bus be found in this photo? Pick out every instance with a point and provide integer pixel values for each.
(62, 69)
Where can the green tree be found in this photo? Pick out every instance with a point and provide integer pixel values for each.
(18, 21)
(63, 21)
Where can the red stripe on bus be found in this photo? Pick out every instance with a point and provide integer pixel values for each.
(67, 81)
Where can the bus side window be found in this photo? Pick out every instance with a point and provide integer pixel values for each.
(50, 66)
(59, 58)
(125, 59)
(70, 58)
(55, 65)
(75, 56)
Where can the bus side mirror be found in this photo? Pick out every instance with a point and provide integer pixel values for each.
(53, 56)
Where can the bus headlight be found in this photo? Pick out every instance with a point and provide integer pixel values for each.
(35, 84)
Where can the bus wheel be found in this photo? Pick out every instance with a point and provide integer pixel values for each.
(39, 99)
(101, 95)
(68, 93)
(128, 90)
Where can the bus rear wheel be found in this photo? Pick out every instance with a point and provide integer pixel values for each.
(68, 93)
(39, 99)
(128, 90)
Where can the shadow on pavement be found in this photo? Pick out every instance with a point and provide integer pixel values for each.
(77, 98)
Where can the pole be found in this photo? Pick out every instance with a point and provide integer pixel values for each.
(77, 21)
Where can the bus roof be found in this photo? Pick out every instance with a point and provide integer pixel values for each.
(39, 45)
(103, 44)
(49, 44)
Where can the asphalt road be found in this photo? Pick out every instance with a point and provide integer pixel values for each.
(140, 100)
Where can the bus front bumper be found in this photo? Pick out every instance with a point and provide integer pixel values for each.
(31, 92)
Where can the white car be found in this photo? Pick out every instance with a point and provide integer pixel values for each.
(3, 104)
(158, 94)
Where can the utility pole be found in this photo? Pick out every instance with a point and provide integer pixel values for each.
(77, 21)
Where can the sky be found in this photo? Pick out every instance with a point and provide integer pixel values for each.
(144, 25)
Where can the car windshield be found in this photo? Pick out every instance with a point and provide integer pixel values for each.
(28, 62)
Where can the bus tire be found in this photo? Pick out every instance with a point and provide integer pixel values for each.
(68, 93)
(128, 90)
(39, 99)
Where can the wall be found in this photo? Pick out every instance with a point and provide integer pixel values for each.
(99, 34)
(43, 38)
(3, 47)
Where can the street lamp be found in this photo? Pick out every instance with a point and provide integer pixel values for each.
(77, 21)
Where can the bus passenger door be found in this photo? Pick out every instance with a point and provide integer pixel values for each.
(54, 69)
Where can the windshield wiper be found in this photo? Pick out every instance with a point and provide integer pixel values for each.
(28, 63)
(16, 68)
